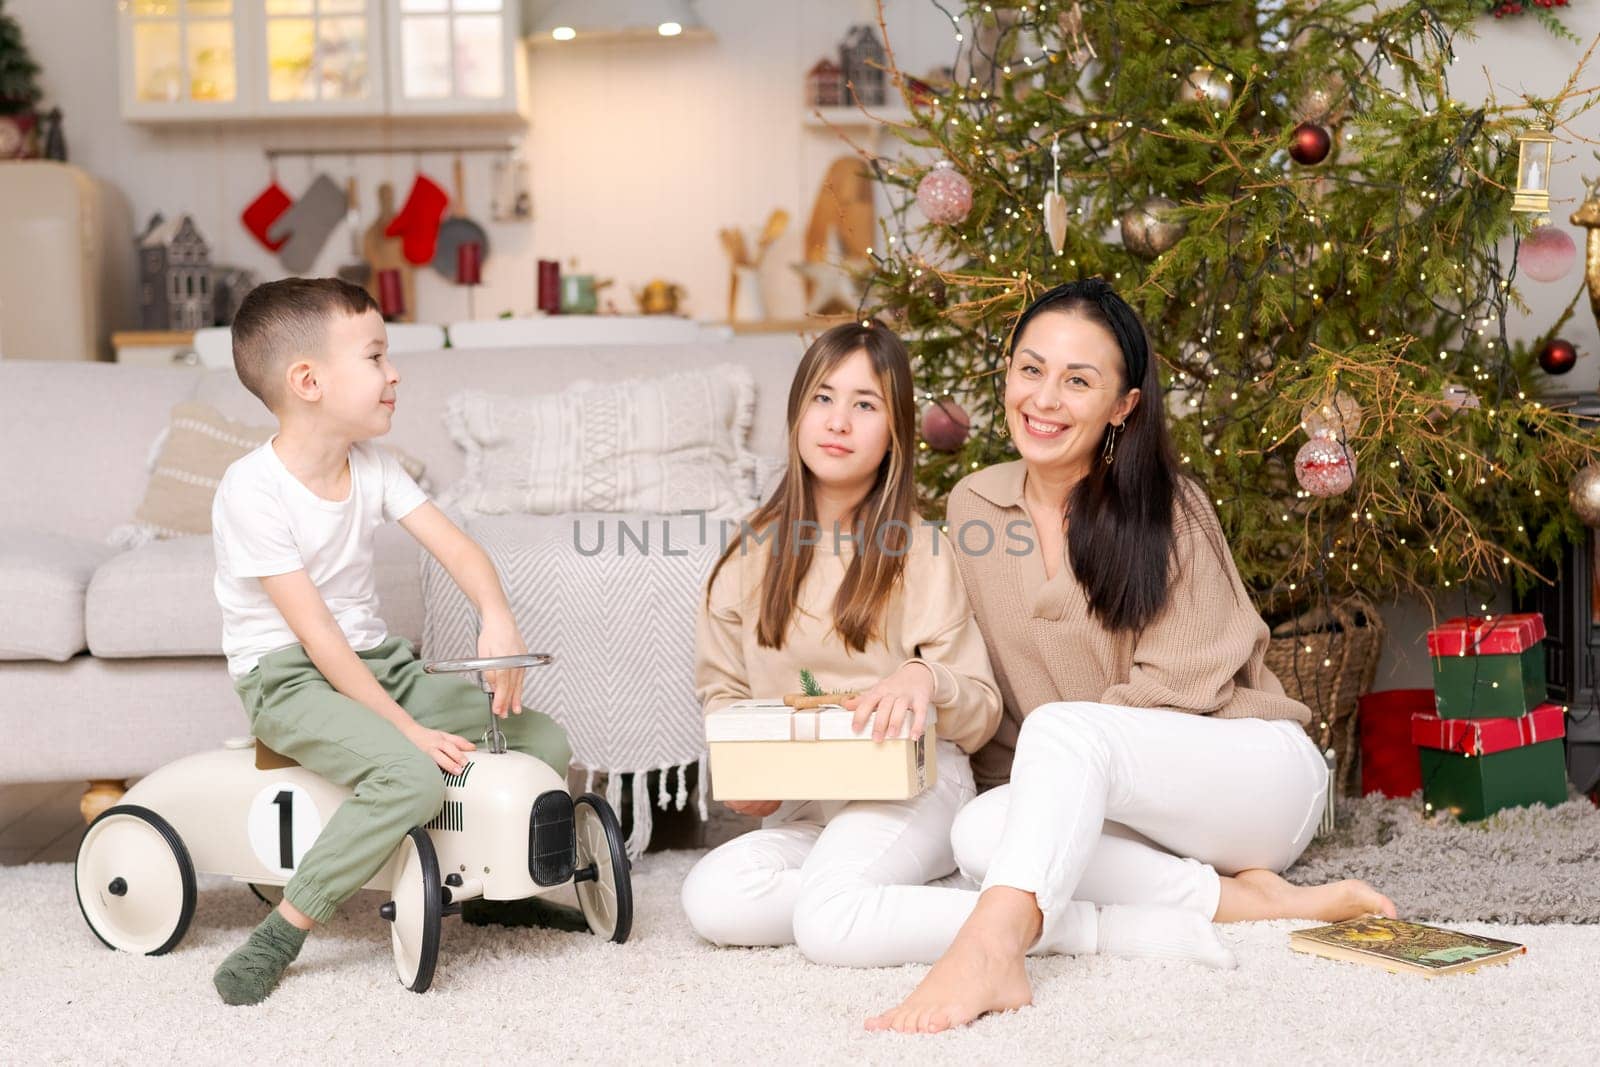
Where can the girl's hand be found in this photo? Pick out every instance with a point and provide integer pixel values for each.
(908, 691)
(758, 808)
(499, 637)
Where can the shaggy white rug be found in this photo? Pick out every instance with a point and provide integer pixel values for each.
(504, 996)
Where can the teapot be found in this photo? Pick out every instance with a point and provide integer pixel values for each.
(659, 297)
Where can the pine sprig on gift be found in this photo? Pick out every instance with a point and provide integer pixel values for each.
(808, 684)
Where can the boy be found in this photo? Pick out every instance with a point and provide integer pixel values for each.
(321, 679)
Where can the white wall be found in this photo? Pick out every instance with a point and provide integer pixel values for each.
(641, 152)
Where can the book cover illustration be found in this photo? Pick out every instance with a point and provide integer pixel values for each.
(1410, 945)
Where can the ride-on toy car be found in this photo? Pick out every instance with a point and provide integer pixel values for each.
(508, 829)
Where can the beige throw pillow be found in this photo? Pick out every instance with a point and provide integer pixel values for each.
(199, 445)
(657, 445)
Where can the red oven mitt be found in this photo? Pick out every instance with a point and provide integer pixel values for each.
(417, 225)
(263, 212)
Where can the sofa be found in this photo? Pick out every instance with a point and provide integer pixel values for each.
(110, 660)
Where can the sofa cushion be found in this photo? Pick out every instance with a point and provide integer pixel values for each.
(651, 445)
(43, 577)
(157, 600)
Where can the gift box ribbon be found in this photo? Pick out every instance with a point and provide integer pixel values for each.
(1474, 636)
(1483, 737)
(804, 725)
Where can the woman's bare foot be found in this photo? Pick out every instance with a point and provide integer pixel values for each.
(982, 971)
(1260, 894)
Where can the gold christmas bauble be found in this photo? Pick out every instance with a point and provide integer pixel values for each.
(1338, 415)
(1584, 495)
(1203, 85)
(1148, 228)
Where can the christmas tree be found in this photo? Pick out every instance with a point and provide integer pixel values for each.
(1321, 240)
(19, 86)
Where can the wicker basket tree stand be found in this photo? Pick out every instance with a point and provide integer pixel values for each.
(1326, 659)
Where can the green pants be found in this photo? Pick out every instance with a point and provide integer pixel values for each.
(295, 712)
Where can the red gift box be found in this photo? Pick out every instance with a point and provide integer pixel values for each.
(1499, 635)
(1483, 737)
(1388, 755)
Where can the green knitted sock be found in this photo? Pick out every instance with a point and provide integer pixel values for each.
(252, 970)
(531, 911)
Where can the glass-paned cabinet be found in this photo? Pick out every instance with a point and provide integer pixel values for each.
(453, 56)
(181, 57)
(199, 59)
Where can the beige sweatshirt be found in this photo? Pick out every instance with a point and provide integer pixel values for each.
(928, 618)
(1203, 654)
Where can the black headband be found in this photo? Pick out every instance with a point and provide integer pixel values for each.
(1114, 311)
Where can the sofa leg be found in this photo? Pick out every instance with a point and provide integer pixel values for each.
(100, 794)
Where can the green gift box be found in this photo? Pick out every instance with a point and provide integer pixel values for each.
(1488, 668)
(1476, 768)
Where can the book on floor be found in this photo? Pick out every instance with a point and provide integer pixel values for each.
(1402, 947)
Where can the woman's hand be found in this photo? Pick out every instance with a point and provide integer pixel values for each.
(498, 636)
(758, 808)
(908, 691)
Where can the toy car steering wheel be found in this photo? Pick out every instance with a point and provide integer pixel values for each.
(496, 739)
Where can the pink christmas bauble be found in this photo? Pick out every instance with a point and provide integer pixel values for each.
(1548, 254)
(1324, 467)
(945, 425)
(944, 194)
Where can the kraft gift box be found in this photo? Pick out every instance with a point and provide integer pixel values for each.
(767, 750)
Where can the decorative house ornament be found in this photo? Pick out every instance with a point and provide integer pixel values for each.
(175, 290)
(863, 58)
(825, 84)
(1534, 146)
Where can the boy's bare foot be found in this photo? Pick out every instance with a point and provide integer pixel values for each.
(981, 972)
(1331, 902)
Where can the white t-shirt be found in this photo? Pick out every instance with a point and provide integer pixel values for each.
(264, 521)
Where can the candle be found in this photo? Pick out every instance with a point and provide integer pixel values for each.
(391, 294)
(469, 263)
(550, 286)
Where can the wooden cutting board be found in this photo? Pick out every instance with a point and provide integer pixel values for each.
(388, 253)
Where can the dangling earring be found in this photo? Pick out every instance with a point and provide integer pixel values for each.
(1110, 450)
(1005, 429)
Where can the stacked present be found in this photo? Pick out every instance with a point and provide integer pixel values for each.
(1494, 742)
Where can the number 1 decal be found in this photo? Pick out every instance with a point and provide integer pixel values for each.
(282, 823)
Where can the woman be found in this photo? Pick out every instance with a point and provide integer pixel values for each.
(1150, 753)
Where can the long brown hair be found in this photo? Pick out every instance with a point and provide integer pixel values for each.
(883, 519)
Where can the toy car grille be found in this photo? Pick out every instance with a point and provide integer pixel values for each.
(458, 780)
(450, 816)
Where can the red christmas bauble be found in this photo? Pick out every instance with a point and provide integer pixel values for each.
(1311, 144)
(945, 425)
(1558, 356)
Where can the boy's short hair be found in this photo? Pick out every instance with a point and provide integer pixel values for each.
(288, 317)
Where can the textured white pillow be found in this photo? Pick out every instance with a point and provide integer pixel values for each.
(674, 443)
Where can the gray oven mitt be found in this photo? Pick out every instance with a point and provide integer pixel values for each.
(309, 223)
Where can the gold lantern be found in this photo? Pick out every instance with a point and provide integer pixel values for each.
(1534, 146)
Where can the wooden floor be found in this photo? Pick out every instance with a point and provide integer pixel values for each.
(40, 823)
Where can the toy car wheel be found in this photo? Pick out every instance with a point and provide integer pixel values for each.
(135, 881)
(604, 881)
(270, 895)
(414, 911)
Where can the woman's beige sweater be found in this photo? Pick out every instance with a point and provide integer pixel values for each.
(1203, 654)
(929, 618)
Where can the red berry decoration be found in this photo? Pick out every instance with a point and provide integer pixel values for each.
(1311, 144)
(1558, 356)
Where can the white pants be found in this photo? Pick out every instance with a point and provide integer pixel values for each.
(1107, 805)
(843, 881)
(1114, 805)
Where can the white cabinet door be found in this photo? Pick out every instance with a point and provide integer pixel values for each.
(455, 57)
(182, 59)
(317, 57)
